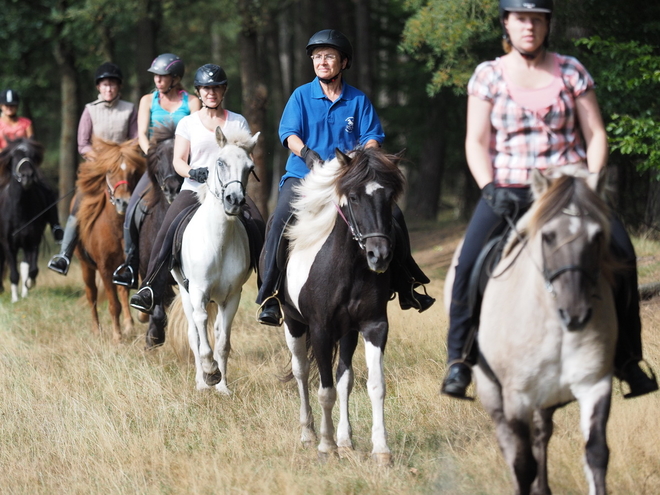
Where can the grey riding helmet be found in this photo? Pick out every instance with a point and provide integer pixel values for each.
(334, 39)
(9, 97)
(108, 70)
(167, 64)
(210, 75)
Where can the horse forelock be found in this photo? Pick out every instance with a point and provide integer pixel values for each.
(28, 147)
(370, 165)
(108, 158)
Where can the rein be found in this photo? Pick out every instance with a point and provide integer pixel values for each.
(355, 230)
(223, 186)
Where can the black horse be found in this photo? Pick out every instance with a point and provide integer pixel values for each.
(24, 197)
(338, 284)
(165, 185)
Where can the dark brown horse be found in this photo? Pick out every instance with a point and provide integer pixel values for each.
(165, 185)
(104, 187)
(24, 197)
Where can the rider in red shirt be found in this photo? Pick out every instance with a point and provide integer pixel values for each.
(11, 125)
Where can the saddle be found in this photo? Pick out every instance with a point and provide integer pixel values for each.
(254, 227)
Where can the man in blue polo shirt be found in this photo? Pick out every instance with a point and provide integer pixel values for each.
(320, 116)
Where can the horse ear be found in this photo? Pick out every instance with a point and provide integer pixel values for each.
(252, 143)
(343, 158)
(597, 181)
(540, 183)
(220, 137)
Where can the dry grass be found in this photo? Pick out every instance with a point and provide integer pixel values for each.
(81, 415)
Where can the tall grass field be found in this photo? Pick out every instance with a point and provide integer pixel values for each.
(81, 415)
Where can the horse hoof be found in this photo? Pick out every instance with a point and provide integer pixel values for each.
(382, 459)
(212, 379)
(223, 389)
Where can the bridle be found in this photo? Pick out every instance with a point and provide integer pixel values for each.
(355, 230)
(113, 189)
(550, 276)
(17, 170)
(219, 194)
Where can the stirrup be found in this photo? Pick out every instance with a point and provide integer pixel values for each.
(53, 266)
(118, 281)
(263, 304)
(137, 296)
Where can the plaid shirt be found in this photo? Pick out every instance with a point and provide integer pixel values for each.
(524, 139)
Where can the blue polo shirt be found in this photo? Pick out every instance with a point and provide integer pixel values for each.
(324, 125)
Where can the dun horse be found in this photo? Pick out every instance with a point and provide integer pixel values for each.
(104, 187)
(165, 185)
(338, 286)
(23, 199)
(548, 330)
(215, 259)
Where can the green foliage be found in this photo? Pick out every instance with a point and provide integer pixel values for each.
(448, 36)
(628, 73)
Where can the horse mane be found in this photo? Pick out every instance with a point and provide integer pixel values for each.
(161, 134)
(327, 185)
(33, 149)
(106, 158)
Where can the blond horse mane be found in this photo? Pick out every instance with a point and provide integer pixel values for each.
(315, 206)
(106, 158)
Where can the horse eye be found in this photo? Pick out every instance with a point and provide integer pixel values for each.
(353, 198)
(549, 238)
(220, 163)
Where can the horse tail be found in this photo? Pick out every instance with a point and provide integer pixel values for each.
(177, 329)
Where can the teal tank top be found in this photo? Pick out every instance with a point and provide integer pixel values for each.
(160, 116)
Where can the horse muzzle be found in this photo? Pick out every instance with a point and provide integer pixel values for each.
(379, 253)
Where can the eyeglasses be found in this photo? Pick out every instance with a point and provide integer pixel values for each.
(320, 56)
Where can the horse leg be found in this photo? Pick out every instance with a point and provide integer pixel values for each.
(156, 332)
(25, 278)
(209, 366)
(300, 369)
(129, 328)
(91, 291)
(345, 380)
(114, 307)
(193, 339)
(594, 413)
(543, 427)
(374, 351)
(32, 259)
(327, 393)
(223, 338)
(13, 274)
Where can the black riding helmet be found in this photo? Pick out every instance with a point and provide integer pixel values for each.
(541, 6)
(9, 97)
(334, 39)
(108, 70)
(210, 75)
(167, 64)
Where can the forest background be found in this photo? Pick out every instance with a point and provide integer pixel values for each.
(412, 57)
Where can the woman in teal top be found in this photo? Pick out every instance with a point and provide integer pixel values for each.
(169, 102)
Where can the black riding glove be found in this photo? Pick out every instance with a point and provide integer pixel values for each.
(502, 201)
(310, 157)
(199, 174)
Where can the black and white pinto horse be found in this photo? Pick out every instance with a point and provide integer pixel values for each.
(338, 286)
(23, 196)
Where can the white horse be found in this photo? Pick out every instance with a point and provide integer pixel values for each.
(215, 258)
(548, 331)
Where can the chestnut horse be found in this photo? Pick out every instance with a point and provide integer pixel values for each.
(104, 186)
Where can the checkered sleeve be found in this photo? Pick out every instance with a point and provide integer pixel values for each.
(576, 77)
(482, 82)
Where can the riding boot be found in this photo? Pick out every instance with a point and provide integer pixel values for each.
(60, 262)
(127, 273)
(457, 380)
(152, 291)
(406, 274)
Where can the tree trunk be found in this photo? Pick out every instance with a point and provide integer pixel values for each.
(362, 62)
(68, 132)
(146, 30)
(254, 97)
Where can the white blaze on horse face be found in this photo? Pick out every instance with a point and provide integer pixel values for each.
(123, 166)
(372, 187)
(574, 225)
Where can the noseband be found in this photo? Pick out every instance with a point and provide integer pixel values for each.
(112, 190)
(220, 194)
(355, 230)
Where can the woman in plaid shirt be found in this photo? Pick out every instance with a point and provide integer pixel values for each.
(533, 109)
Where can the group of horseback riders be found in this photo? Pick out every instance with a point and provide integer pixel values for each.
(528, 109)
